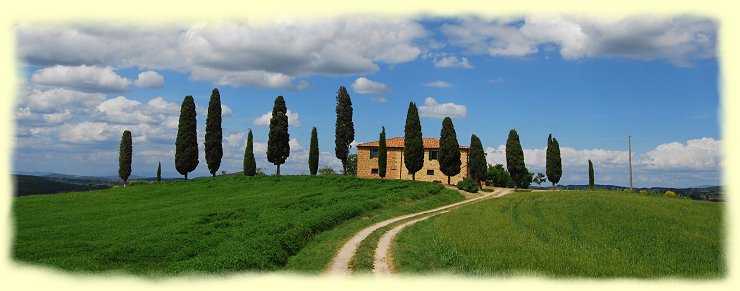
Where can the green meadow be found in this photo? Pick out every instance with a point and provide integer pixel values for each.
(570, 234)
(210, 225)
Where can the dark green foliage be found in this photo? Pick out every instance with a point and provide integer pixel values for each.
(413, 150)
(313, 153)
(590, 175)
(351, 165)
(159, 172)
(515, 159)
(526, 180)
(382, 154)
(186, 144)
(468, 185)
(30, 185)
(278, 147)
(327, 171)
(214, 133)
(345, 128)
(499, 176)
(539, 179)
(449, 150)
(553, 165)
(124, 156)
(250, 165)
(255, 224)
(477, 161)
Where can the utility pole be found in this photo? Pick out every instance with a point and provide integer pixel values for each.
(629, 142)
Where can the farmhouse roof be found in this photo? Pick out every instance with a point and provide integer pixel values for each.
(398, 142)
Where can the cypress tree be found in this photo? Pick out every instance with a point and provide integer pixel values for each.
(313, 153)
(515, 159)
(124, 157)
(214, 134)
(478, 168)
(449, 150)
(278, 147)
(250, 166)
(186, 144)
(553, 165)
(159, 172)
(413, 149)
(345, 128)
(590, 175)
(382, 154)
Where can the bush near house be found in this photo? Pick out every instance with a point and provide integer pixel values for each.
(468, 185)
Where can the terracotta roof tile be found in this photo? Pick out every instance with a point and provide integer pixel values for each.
(397, 142)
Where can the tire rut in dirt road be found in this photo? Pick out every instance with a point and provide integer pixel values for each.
(340, 263)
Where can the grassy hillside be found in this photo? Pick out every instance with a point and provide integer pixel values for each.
(220, 225)
(28, 185)
(570, 234)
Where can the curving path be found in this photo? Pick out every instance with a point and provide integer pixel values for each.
(340, 263)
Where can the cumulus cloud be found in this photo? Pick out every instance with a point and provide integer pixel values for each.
(365, 86)
(452, 62)
(57, 100)
(436, 110)
(149, 79)
(264, 119)
(438, 84)
(379, 99)
(678, 39)
(82, 78)
(701, 153)
(235, 54)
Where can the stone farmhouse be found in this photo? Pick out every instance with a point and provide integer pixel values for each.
(367, 161)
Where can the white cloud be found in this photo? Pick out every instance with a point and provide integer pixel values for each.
(149, 79)
(379, 99)
(83, 78)
(365, 86)
(677, 39)
(58, 100)
(436, 110)
(701, 153)
(86, 132)
(226, 111)
(452, 62)
(121, 110)
(264, 119)
(438, 84)
(235, 54)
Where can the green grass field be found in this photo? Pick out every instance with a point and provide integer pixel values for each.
(568, 234)
(207, 225)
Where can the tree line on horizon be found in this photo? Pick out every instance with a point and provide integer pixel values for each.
(278, 147)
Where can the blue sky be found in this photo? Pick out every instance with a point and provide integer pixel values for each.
(589, 82)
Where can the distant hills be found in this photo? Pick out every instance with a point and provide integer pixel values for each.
(705, 192)
(32, 183)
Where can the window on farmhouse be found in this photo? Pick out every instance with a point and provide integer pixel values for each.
(373, 153)
(374, 171)
(433, 155)
(430, 172)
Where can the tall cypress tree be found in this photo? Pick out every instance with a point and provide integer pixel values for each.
(159, 172)
(186, 144)
(449, 150)
(553, 165)
(345, 128)
(515, 159)
(413, 149)
(382, 154)
(124, 156)
(250, 166)
(278, 147)
(313, 153)
(478, 168)
(214, 133)
(590, 175)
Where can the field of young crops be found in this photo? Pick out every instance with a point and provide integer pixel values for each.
(210, 225)
(570, 234)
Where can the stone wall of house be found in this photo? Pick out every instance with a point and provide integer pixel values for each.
(397, 170)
